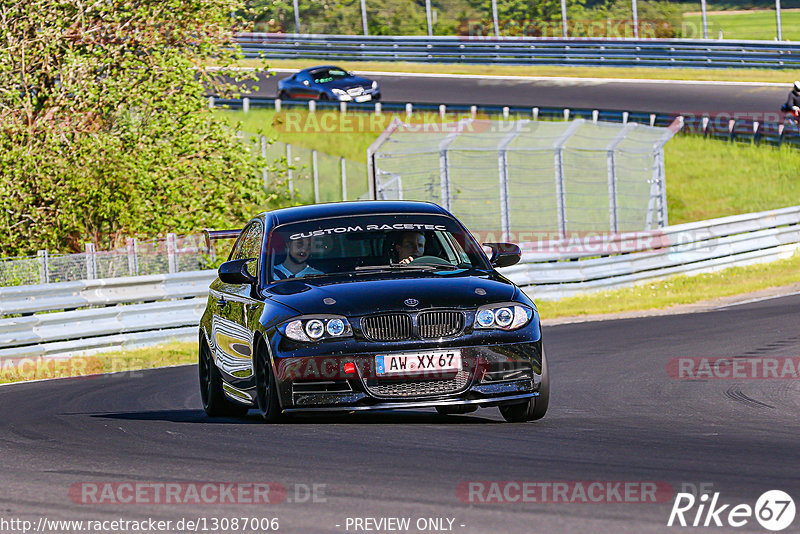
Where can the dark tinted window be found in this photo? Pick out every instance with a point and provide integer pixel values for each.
(249, 244)
(371, 242)
(328, 75)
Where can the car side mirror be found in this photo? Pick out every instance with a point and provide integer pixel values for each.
(504, 254)
(236, 272)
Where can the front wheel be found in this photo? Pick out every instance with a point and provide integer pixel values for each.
(215, 403)
(266, 387)
(283, 95)
(535, 407)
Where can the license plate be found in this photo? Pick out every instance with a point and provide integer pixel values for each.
(363, 98)
(418, 362)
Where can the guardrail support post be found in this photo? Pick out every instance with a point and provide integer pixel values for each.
(625, 117)
(211, 102)
(442, 111)
(312, 106)
(343, 164)
(378, 108)
(409, 110)
(44, 267)
(91, 261)
(172, 256)
(535, 112)
(133, 256)
(277, 104)
(342, 107)
(595, 116)
(315, 174)
(245, 105)
(473, 111)
(566, 114)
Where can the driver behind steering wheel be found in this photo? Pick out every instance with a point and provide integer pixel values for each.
(409, 246)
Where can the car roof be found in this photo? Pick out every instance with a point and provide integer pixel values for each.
(340, 209)
(321, 67)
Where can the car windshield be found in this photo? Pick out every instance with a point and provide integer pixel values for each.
(328, 75)
(371, 243)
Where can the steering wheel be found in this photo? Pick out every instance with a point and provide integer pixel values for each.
(430, 260)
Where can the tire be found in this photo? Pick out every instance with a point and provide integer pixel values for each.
(215, 403)
(283, 95)
(455, 410)
(266, 388)
(534, 408)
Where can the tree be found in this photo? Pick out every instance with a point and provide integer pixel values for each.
(106, 126)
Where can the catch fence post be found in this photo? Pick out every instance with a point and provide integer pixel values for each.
(343, 164)
(133, 256)
(91, 261)
(44, 267)
(172, 255)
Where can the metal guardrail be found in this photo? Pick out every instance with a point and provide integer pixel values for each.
(117, 312)
(525, 50)
(721, 127)
(564, 268)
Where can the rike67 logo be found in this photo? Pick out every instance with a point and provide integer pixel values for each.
(774, 510)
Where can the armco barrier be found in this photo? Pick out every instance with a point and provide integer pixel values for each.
(156, 309)
(721, 127)
(525, 50)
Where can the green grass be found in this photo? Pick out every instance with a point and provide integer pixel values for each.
(754, 25)
(676, 290)
(107, 362)
(729, 75)
(706, 178)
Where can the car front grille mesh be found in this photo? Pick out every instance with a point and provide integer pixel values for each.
(387, 327)
(419, 388)
(435, 324)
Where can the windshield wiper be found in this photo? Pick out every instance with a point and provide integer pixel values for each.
(397, 266)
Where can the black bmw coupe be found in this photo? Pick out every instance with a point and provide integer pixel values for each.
(328, 83)
(368, 306)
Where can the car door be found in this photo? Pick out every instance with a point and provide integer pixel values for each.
(305, 87)
(231, 322)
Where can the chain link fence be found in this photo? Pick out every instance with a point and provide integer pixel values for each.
(171, 255)
(504, 177)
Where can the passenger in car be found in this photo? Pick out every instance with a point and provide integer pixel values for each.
(296, 263)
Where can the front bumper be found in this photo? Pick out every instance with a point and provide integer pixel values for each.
(411, 405)
(491, 375)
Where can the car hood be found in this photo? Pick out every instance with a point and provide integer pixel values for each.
(347, 83)
(364, 295)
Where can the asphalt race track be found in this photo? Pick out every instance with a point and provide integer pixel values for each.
(657, 96)
(615, 415)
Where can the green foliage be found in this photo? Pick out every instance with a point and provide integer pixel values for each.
(611, 18)
(106, 127)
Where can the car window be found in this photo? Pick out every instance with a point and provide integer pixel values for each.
(356, 244)
(328, 75)
(303, 77)
(249, 244)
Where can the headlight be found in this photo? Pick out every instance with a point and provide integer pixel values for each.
(374, 85)
(316, 327)
(503, 316)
